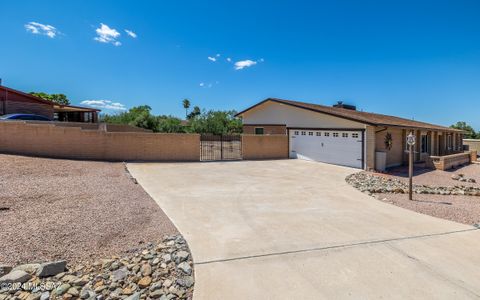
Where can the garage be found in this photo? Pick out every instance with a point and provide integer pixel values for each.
(342, 135)
(340, 147)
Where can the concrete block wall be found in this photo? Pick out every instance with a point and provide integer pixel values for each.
(264, 146)
(49, 140)
(448, 161)
(473, 144)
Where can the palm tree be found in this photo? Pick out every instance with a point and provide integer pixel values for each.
(186, 105)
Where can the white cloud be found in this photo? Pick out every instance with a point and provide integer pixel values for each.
(229, 59)
(104, 104)
(218, 55)
(208, 85)
(107, 35)
(37, 28)
(131, 33)
(212, 58)
(239, 65)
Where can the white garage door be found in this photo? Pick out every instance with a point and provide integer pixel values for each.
(329, 146)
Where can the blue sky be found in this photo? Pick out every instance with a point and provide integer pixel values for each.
(417, 59)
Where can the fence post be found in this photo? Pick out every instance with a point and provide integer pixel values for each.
(221, 147)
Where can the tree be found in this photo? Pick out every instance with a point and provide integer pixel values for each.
(186, 105)
(57, 98)
(195, 112)
(216, 122)
(470, 132)
(138, 116)
(170, 124)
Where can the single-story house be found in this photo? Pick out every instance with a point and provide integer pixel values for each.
(342, 135)
(13, 101)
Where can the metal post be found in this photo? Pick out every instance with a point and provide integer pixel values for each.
(410, 171)
(221, 147)
(410, 142)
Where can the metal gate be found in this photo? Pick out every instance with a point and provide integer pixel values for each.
(220, 147)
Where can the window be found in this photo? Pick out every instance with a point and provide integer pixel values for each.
(449, 142)
(355, 135)
(326, 134)
(259, 130)
(335, 134)
(303, 133)
(295, 133)
(319, 133)
(310, 133)
(425, 143)
(345, 135)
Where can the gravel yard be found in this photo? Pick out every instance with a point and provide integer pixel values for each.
(462, 209)
(459, 208)
(438, 177)
(74, 210)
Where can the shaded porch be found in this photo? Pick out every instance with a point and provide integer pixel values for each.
(70, 113)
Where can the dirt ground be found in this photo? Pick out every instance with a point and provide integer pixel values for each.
(462, 209)
(75, 210)
(423, 176)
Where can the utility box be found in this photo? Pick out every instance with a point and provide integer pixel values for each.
(380, 161)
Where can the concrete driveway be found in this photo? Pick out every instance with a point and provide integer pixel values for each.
(293, 229)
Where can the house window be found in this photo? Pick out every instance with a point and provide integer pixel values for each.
(295, 133)
(425, 143)
(335, 134)
(303, 133)
(326, 134)
(318, 133)
(259, 130)
(310, 133)
(355, 135)
(345, 135)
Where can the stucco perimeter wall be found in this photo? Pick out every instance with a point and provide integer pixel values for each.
(264, 146)
(472, 144)
(75, 143)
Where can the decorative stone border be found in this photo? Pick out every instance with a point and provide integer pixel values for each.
(163, 271)
(373, 184)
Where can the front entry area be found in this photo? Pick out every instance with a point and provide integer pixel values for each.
(339, 147)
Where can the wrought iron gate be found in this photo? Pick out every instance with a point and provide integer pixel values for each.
(220, 147)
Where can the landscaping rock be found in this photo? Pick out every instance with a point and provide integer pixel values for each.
(5, 269)
(136, 276)
(145, 282)
(185, 268)
(62, 289)
(456, 177)
(372, 184)
(15, 276)
(135, 296)
(51, 268)
(31, 269)
(146, 269)
(181, 256)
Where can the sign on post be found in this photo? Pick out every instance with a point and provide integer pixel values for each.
(410, 143)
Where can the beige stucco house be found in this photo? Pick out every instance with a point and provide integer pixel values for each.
(342, 135)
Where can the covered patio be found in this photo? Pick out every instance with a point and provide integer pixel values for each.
(70, 113)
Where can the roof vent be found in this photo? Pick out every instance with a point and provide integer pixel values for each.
(340, 104)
